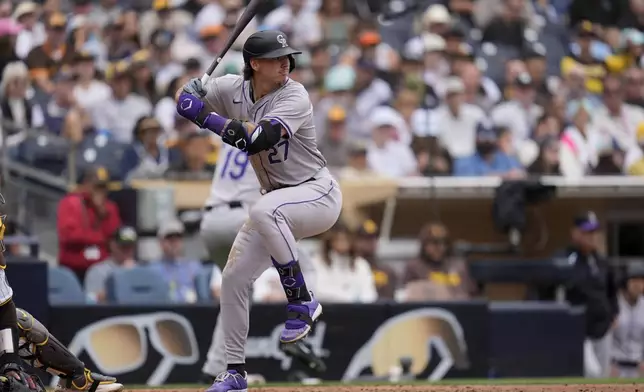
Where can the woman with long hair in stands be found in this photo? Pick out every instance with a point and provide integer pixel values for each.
(341, 275)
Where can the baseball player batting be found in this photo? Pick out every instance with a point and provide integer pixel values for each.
(23, 338)
(234, 190)
(270, 117)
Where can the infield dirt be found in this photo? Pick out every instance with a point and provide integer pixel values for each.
(436, 388)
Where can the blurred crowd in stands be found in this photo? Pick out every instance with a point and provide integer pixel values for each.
(461, 87)
(94, 244)
(506, 88)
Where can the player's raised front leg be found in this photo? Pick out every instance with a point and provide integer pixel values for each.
(284, 216)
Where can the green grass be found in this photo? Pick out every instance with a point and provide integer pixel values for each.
(502, 381)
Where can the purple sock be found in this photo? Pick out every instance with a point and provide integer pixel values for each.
(292, 281)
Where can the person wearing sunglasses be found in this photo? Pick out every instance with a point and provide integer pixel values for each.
(25, 339)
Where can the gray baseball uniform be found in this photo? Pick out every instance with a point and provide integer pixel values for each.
(300, 197)
(234, 190)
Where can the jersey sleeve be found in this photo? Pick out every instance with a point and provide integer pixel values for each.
(292, 109)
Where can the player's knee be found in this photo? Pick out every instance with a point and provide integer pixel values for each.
(231, 279)
(261, 217)
(30, 328)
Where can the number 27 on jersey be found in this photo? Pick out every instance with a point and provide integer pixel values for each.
(237, 161)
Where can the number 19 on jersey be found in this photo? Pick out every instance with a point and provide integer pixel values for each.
(235, 164)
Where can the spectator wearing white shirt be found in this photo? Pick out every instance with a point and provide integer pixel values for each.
(385, 155)
(123, 109)
(165, 110)
(520, 114)
(454, 122)
(341, 276)
(299, 23)
(371, 91)
(33, 32)
(479, 90)
(616, 120)
(89, 92)
(402, 132)
(579, 142)
(435, 21)
(17, 112)
(212, 13)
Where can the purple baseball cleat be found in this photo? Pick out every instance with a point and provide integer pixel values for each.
(301, 317)
(229, 381)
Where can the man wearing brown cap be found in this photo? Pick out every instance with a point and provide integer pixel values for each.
(436, 274)
(334, 144)
(45, 60)
(366, 246)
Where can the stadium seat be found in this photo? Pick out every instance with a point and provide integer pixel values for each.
(202, 282)
(495, 56)
(137, 286)
(101, 150)
(64, 287)
(45, 152)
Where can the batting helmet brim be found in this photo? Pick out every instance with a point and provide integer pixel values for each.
(273, 54)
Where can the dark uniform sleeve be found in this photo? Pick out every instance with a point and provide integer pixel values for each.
(611, 291)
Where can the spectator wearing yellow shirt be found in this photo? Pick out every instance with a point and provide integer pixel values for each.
(634, 159)
(630, 55)
(594, 69)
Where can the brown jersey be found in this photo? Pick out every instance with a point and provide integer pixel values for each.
(45, 61)
(451, 275)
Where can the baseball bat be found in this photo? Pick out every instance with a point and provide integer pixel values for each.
(243, 21)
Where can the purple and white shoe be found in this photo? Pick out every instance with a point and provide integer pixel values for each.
(301, 316)
(229, 381)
